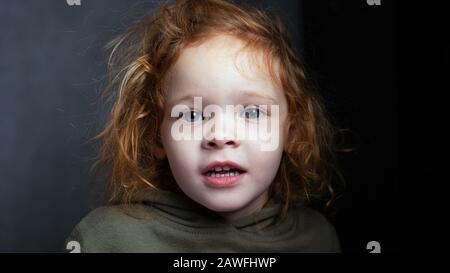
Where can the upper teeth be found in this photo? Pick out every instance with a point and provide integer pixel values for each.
(213, 174)
(225, 168)
(229, 171)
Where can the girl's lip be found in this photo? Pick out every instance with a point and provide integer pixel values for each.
(223, 182)
(221, 164)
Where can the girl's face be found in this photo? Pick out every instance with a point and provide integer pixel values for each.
(216, 73)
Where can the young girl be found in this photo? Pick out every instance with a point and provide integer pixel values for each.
(206, 189)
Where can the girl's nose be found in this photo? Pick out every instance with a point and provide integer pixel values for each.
(220, 137)
(220, 144)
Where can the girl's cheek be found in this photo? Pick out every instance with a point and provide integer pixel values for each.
(265, 166)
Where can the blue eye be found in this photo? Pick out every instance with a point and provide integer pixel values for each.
(252, 112)
(191, 116)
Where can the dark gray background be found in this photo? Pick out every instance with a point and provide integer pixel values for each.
(52, 65)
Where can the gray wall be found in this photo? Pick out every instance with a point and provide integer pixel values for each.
(51, 65)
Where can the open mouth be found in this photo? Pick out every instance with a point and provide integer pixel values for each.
(223, 174)
(223, 171)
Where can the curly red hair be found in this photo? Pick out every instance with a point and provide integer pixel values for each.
(140, 59)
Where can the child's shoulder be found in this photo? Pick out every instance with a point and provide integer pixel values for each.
(105, 226)
(104, 215)
(114, 216)
(313, 216)
(318, 228)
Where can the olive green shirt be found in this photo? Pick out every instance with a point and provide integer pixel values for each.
(169, 222)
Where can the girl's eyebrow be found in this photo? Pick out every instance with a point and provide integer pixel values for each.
(249, 93)
(187, 97)
(246, 93)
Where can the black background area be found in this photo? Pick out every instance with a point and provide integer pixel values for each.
(350, 49)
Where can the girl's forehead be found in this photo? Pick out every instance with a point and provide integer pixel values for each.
(220, 64)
